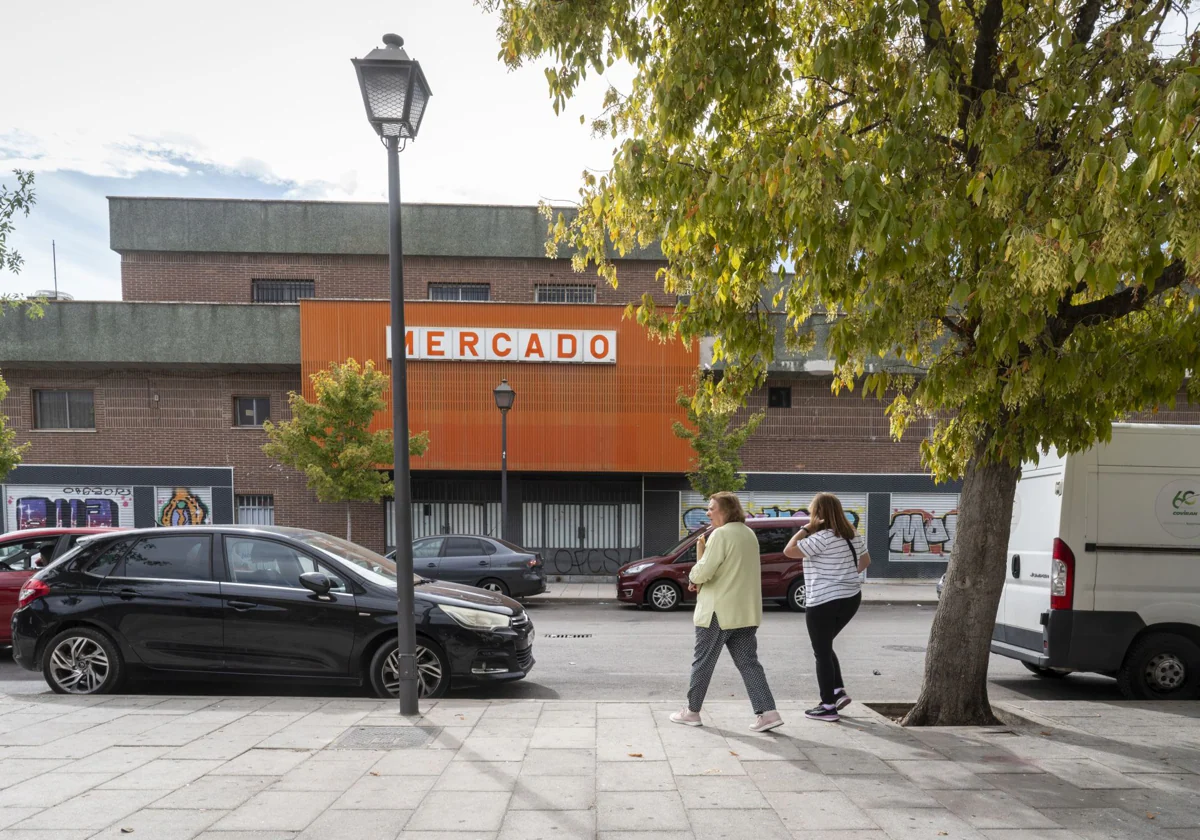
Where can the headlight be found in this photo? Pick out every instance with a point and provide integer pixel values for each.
(640, 567)
(476, 619)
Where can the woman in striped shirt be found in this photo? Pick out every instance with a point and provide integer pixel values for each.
(834, 558)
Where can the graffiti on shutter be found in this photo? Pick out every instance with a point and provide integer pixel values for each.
(922, 526)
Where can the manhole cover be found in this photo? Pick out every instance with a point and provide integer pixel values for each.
(905, 648)
(385, 737)
(567, 636)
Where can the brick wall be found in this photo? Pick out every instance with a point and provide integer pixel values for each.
(191, 424)
(227, 278)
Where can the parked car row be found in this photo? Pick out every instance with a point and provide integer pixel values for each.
(283, 603)
(495, 565)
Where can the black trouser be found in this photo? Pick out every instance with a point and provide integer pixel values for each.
(825, 621)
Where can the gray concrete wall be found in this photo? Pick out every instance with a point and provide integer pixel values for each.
(107, 333)
(326, 227)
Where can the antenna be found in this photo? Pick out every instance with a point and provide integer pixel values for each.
(54, 257)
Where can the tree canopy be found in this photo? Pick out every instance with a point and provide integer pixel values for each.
(1002, 194)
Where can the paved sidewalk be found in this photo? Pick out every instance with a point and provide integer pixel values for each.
(260, 768)
(874, 592)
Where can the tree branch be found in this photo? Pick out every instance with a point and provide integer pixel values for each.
(1117, 305)
(1085, 21)
(959, 328)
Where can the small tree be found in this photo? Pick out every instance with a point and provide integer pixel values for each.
(12, 202)
(716, 440)
(331, 442)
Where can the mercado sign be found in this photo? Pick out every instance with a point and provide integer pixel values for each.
(498, 344)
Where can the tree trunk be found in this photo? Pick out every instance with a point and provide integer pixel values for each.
(954, 691)
(348, 530)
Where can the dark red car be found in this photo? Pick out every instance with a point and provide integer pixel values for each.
(661, 582)
(19, 551)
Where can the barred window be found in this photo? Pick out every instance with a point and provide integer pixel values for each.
(256, 510)
(460, 291)
(63, 410)
(565, 294)
(283, 291)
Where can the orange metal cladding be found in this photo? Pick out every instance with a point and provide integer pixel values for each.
(567, 417)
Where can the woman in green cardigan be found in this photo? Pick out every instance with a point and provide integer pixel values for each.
(728, 581)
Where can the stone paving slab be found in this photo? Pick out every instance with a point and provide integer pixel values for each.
(213, 768)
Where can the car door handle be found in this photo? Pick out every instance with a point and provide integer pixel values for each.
(432, 565)
(483, 562)
(242, 606)
(127, 594)
(1016, 566)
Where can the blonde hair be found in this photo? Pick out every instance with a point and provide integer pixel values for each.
(730, 505)
(827, 508)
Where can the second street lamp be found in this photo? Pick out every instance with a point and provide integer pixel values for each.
(505, 397)
(395, 93)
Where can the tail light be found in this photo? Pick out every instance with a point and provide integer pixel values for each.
(535, 561)
(1062, 577)
(31, 591)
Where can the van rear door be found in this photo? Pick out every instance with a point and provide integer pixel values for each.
(1037, 513)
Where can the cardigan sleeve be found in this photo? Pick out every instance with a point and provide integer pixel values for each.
(715, 553)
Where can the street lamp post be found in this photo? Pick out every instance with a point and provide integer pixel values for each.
(505, 396)
(395, 93)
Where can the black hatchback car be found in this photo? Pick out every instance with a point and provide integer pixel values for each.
(254, 601)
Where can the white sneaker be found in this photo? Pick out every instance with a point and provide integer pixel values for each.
(766, 722)
(687, 717)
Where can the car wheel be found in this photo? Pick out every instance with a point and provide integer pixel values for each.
(797, 597)
(1162, 666)
(433, 670)
(1045, 673)
(663, 596)
(82, 661)
(493, 585)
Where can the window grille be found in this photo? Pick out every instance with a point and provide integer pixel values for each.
(256, 510)
(283, 291)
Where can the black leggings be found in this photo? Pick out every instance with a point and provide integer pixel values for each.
(825, 621)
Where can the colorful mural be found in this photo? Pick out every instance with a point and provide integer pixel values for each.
(60, 506)
(922, 527)
(694, 507)
(182, 506)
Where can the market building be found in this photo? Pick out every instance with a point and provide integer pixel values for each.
(149, 410)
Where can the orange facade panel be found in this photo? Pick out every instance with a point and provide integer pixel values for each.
(568, 417)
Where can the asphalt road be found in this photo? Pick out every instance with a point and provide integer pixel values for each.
(611, 652)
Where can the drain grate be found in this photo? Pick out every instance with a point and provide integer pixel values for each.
(386, 737)
(905, 648)
(567, 636)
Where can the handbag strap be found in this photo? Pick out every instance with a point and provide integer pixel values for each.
(853, 553)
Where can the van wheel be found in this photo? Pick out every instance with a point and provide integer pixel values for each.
(663, 596)
(797, 597)
(1162, 666)
(1045, 673)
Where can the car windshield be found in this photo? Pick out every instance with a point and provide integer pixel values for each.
(374, 566)
(680, 545)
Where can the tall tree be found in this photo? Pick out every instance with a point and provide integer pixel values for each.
(716, 440)
(330, 439)
(18, 200)
(1001, 193)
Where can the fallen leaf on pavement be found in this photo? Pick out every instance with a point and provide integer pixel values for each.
(635, 755)
(374, 772)
(1150, 816)
(876, 673)
(732, 753)
(127, 831)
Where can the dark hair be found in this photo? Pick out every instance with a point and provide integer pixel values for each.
(827, 508)
(730, 505)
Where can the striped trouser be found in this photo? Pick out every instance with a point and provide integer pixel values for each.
(743, 647)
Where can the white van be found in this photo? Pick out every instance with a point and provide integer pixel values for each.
(1104, 564)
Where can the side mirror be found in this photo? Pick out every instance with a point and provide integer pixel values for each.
(317, 582)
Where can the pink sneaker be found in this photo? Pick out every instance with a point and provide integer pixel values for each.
(687, 717)
(766, 722)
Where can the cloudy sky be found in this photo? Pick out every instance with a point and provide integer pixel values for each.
(257, 99)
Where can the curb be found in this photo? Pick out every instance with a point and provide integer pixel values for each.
(538, 600)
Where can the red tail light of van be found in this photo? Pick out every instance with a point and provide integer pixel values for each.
(1062, 577)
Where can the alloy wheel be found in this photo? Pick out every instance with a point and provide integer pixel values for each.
(664, 596)
(800, 596)
(493, 586)
(79, 665)
(429, 672)
(1165, 672)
